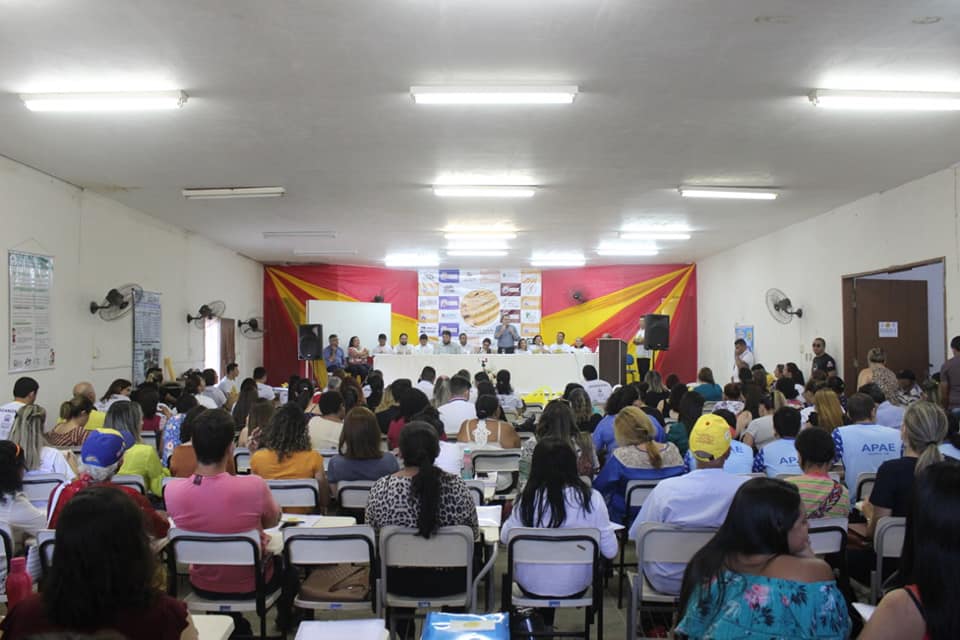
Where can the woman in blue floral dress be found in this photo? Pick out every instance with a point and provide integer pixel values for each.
(758, 577)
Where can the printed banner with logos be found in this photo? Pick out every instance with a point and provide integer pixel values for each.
(473, 301)
(31, 288)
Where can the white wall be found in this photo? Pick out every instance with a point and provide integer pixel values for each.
(912, 223)
(98, 243)
(932, 274)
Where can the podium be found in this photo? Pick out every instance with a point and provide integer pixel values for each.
(612, 355)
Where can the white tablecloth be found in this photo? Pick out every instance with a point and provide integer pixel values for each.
(527, 373)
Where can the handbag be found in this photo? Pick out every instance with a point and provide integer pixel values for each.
(337, 583)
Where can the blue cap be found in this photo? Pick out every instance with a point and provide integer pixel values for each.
(103, 448)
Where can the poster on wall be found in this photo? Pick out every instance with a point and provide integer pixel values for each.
(146, 334)
(31, 287)
(745, 333)
(472, 301)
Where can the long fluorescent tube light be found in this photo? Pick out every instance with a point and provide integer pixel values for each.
(120, 101)
(479, 236)
(324, 252)
(488, 253)
(411, 260)
(476, 191)
(486, 96)
(653, 235)
(234, 192)
(885, 100)
(727, 193)
(299, 234)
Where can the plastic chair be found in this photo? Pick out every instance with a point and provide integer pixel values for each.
(6, 537)
(45, 540)
(545, 548)
(657, 542)
(295, 493)
(828, 537)
(506, 462)
(865, 482)
(887, 543)
(311, 547)
(241, 460)
(449, 547)
(634, 496)
(230, 549)
(476, 491)
(163, 486)
(150, 438)
(38, 487)
(352, 496)
(132, 481)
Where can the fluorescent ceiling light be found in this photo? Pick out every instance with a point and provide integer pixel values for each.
(234, 192)
(489, 253)
(488, 191)
(886, 100)
(558, 260)
(411, 260)
(324, 252)
(485, 96)
(480, 236)
(652, 235)
(132, 101)
(727, 193)
(299, 234)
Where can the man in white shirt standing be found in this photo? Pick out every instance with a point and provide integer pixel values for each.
(425, 383)
(446, 346)
(699, 499)
(231, 383)
(382, 347)
(264, 390)
(459, 408)
(424, 348)
(643, 354)
(598, 390)
(559, 346)
(742, 358)
(578, 345)
(403, 348)
(24, 392)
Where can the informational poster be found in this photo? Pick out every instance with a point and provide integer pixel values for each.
(889, 329)
(472, 301)
(745, 333)
(146, 333)
(31, 291)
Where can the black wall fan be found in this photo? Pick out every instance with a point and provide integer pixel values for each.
(252, 328)
(117, 303)
(208, 311)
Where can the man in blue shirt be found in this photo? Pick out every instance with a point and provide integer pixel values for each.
(780, 456)
(506, 334)
(333, 355)
(864, 445)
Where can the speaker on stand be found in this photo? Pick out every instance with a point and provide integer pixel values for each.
(656, 336)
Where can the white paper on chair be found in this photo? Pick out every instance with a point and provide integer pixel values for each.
(489, 516)
(354, 629)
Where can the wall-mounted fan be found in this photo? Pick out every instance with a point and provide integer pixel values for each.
(252, 328)
(117, 303)
(780, 307)
(206, 312)
(578, 296)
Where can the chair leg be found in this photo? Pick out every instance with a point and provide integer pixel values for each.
(622, 573)
(263, 627)
(600, 620)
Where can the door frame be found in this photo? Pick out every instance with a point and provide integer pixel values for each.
(851, 366)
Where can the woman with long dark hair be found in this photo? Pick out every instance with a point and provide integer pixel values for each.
(102, 577)
(759, 576)
(557, 421)
(487, 431)
(248, 395)
(285, 452)
(691, 408)
(509, 400)
(119, 390)
(604, 438)
(360, 457)
(930, 564)
(24, 519)
(707, 387)
(555, 497)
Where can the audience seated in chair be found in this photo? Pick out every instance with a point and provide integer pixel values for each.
(251, 435)
(740, 460)
(779, 457)
(16, 510)
(183, 462)
(27, 433)
(823, 497)
(558, 421)
(139, 459)
(360, 456)
(488, 430)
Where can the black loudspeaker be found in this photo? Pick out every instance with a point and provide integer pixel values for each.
(310, 344)
(657, 332)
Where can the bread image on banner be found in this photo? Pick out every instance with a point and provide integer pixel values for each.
(480, 307)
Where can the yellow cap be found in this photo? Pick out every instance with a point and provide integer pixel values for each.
(710, 438)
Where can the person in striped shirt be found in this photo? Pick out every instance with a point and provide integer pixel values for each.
(823, 497)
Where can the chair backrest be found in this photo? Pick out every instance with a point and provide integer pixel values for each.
(865, 482)
(232, 549)
(448, 547)
(828, 535)
(6, 542)
(353, 494)
(132, 481)
(637, 491)
(476, 491)
(888, 537)
(149, 437)
(333, 545)
(485, 461)
(241, 460)
(38, 486)
(45, 540)
(295, 493)
(542, 546)
(658, 542)
(163, 485)
(753, 475)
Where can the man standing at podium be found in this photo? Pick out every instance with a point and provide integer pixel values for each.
(643, 354)
(506, 334)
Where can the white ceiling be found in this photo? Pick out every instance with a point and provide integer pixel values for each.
(312, 95)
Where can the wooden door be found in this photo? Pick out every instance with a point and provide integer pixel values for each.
(228, 344)
(871, 307)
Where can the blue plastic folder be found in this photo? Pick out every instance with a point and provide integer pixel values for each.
(465, 626)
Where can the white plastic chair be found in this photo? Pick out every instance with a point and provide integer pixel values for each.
(634, 496)
(506, 462)
(352, 496)
(449, 547)
(887, 543)
(6, 546)
(163, 486)
(865, 482)
(295, 493)
(828, 536)
(475, 487)
(241, 460)
(45, 540)
(132, 481)
(230, 549)
(657, 542)
(150, 438)
(38, 487)
(547, 548)
(311, 546)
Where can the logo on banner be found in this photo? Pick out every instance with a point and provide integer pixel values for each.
(449, 275)
(449, 302)
(509, 289)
